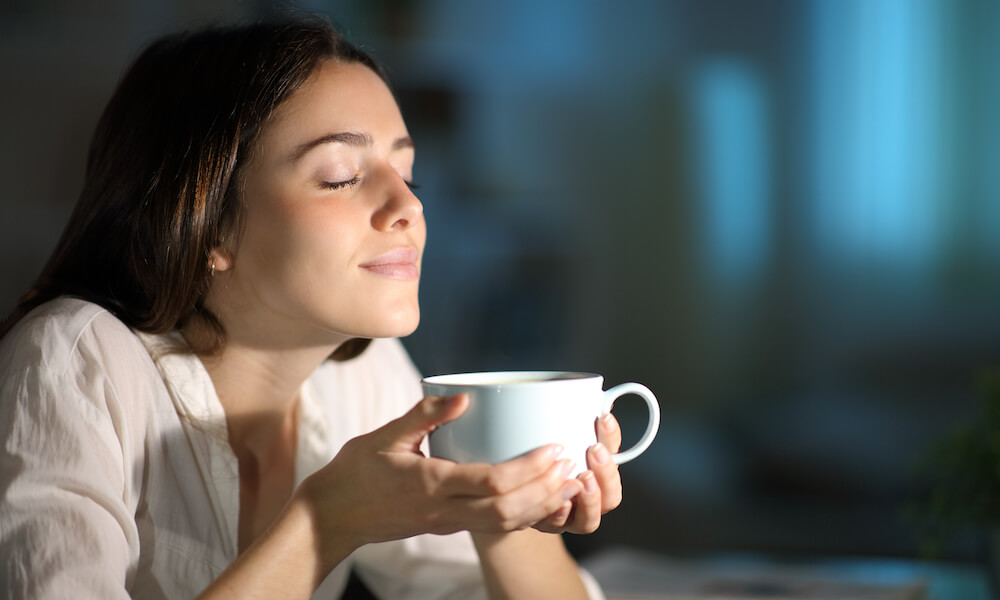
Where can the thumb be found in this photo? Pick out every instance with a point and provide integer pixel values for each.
(407, 432)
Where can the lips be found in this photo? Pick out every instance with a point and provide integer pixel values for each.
(398, 263)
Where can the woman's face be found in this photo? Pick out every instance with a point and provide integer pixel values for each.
(333, 235)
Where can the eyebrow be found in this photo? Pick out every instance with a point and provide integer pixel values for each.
(350, 138)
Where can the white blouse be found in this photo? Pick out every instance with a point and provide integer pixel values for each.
(117, 479)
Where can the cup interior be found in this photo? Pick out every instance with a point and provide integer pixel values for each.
(506, 378)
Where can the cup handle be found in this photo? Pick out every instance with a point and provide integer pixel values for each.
(651, 426)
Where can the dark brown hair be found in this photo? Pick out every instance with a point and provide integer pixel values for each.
(163, 178)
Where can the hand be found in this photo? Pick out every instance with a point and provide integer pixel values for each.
(602, 485)
(380, 486)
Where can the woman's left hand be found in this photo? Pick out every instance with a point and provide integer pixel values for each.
(602, 485)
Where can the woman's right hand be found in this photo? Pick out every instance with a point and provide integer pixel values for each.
(381, 487)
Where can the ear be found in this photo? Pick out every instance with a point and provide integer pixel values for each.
(219, 259)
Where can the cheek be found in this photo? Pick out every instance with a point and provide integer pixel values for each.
(297, 243)
(324, 235)
(267, 243)
(305, 249)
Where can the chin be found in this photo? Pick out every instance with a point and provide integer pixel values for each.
(403, 330)
(396, 325)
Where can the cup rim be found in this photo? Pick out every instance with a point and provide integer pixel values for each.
(507, 378)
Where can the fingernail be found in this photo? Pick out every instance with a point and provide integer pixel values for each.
(600, 454)
(566, 468)
(556, 450)
(589, 482)
(608, 423)
(570, 490)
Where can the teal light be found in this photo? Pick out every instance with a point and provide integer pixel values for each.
(876, 146)
(732, 169)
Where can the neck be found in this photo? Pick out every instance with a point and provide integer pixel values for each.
(261, 367)
(258, 387)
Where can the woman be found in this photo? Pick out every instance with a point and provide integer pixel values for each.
(192, 403)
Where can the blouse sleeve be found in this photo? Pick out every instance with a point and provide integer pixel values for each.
(66, 528)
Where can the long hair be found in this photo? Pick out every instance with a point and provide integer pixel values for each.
(163, 180)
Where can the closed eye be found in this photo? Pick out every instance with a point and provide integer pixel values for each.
(336, 185)
(412, 185)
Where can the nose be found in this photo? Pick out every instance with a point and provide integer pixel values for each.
(400, 208)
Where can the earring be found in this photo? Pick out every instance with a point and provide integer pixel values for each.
(211, 271)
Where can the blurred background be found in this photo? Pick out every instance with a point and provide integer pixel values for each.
(782, 216)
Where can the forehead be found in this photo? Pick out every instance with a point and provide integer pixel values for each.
(338, 96)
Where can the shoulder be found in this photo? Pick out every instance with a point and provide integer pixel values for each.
(71, 371)
(74, 388)
(56, 332)
(69, 340)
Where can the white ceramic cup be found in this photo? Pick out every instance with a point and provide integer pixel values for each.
(513, 412)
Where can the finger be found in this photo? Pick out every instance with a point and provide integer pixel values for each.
(481, 479)
(606, 475)
(529, 503)
(609, 433)
(407, 432)
(556, 522)
(586, 516)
